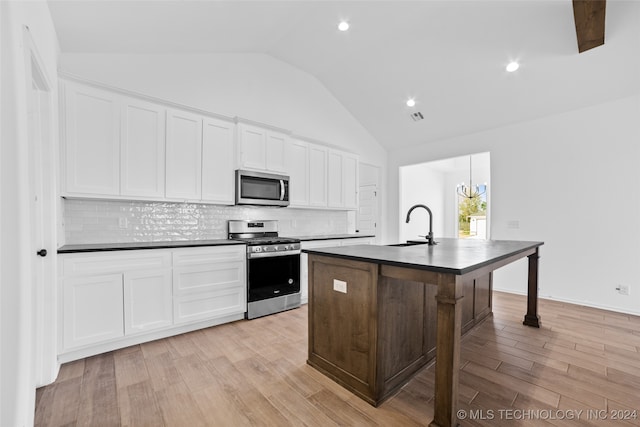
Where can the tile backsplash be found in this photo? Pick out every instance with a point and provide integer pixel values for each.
(107, 221)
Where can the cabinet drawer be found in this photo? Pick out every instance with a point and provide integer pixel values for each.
(209, 305)
(92, 263)
(208, 277)
(220, 254)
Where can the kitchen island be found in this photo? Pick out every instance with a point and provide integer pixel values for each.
(378, 314)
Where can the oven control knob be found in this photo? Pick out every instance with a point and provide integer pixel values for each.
(257, 249)
(285, 248)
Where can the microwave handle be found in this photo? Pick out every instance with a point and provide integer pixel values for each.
(282, 189)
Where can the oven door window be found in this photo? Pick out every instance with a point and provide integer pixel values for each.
(273, 276)
(260, 188)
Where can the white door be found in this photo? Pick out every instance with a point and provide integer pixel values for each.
(42, 194)
(368, 209)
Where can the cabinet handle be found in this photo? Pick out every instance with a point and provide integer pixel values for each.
(42, 252)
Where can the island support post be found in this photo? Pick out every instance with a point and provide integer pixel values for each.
(532, 318)
(449, 321)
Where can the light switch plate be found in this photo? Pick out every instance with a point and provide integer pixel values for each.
(340, 286)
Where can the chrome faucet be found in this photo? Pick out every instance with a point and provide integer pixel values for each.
(430, 235)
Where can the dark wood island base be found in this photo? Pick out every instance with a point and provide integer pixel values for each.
(377, 314)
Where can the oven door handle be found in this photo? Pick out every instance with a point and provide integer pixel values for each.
(282, 189)
(253, 255)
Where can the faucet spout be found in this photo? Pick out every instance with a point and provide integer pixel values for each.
(429, 236)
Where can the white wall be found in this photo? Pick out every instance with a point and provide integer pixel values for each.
(569, 180)
(17, 387)
(422, 185)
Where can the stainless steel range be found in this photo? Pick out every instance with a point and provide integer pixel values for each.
(273, 267)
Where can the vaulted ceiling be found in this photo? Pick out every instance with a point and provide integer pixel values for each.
(449, 55)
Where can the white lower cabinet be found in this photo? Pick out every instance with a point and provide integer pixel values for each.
(92, 309)
(115, 299)
(314, 244)
(147, 300)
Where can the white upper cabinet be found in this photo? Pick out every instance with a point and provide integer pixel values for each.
(334, 174)
(317, 175)
(275, 147)
(142, 149)
(261, 149)
(92, 141)
(342, 171)
(218, 161)
(350, 180)
(297, 166)
(184, 155)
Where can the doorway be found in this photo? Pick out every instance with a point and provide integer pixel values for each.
(436, 185)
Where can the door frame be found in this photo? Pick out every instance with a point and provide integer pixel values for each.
(40, 97)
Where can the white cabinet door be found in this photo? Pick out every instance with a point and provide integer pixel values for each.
(91, 141)
(218, 161)
(317, 176)
(275, 147)
(92, 310)
(142, 146)
(350, 180)
(147, 300)
(184, 155)
(335, 179)
(252, 147)
(297, 166)
(261, 149)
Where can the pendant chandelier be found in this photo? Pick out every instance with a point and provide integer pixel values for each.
(470, 192)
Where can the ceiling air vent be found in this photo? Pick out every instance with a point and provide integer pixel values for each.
(417, 116)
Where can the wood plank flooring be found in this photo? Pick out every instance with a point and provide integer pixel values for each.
(581, 368)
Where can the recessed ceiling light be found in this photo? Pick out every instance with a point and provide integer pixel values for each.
(411, 102)
(343, 26)
(512, 66)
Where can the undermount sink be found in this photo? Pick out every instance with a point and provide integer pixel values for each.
(410, 243)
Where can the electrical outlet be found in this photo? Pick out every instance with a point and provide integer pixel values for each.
(623, 289)
(340, 286)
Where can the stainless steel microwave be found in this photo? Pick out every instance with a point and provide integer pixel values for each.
(259, 188)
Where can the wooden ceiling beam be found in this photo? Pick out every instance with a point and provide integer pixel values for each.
(589, 18)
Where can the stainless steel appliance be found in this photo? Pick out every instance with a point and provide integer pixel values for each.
(273, 267)
(258, 188)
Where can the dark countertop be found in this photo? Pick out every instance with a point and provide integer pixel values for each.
(98, 247)
(454, 256)
(331, 237)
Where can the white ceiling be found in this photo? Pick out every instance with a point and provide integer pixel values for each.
(450, 55)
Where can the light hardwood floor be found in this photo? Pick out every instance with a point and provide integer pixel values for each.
(582, 367)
